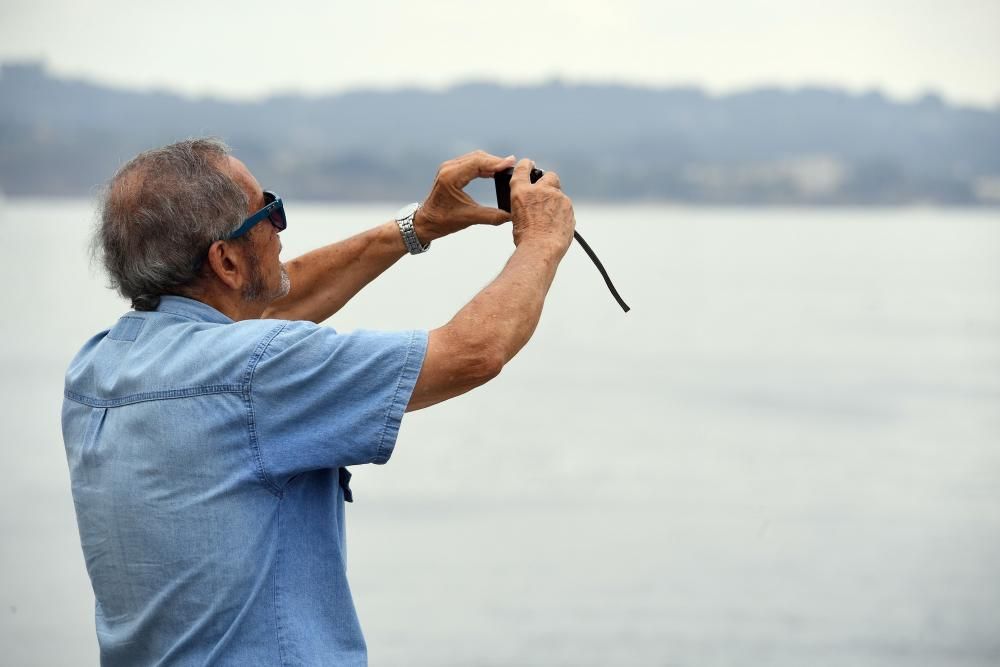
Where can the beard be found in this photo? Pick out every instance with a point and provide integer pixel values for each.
(286, 283)
(256, 290)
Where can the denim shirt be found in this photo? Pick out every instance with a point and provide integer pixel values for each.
(207, 460)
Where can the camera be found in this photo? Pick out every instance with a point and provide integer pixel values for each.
(502, 181)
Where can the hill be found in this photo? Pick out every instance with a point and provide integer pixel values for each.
(608, 142)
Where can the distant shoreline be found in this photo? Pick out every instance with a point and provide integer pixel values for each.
(801, 147)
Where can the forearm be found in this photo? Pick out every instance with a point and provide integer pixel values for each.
(504, 315)
(484, 335)
(325, 279)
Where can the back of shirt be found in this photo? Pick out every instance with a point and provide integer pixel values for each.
(206, 461)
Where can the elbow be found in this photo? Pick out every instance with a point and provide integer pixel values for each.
(480, 365)
(459, 360)
(454, 364)
(490, 366)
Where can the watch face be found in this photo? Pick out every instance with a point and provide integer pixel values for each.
(407, 211)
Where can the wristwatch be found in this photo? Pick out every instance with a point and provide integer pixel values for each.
(404, 218)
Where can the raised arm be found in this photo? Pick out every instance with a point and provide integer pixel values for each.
(484, 335)
(327, 278)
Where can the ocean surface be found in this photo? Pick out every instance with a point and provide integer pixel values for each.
(787, 454)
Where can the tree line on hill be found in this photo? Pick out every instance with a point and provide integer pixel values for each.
(816, 146)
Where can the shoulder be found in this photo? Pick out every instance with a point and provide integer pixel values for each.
(304, 339)
(295, 351)
(278, 338)
(162, 352)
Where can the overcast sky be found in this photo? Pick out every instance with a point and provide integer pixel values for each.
(250, 49)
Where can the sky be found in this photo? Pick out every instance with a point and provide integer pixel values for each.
(251, 49)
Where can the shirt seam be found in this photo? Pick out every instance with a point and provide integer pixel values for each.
(186, 317)
(161, 395)
(277, 591)
(255, 358)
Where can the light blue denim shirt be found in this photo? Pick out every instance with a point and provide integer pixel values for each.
(207, 460)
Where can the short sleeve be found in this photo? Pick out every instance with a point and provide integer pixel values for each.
(319, 399)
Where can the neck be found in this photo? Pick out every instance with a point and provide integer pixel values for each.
(230, 303)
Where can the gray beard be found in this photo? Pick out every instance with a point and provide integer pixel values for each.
(255, 291)
(286, 284)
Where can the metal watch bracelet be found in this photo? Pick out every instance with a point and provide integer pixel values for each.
(404, 218)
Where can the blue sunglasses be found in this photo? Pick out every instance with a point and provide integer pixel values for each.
(274, 211)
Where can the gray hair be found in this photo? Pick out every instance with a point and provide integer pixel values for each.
(160, 213)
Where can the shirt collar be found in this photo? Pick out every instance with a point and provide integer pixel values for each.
(191, 309)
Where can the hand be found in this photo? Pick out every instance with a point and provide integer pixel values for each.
(540, 211)
(448, 209)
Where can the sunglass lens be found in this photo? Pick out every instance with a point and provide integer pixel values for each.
(276, 216)
(278, 219)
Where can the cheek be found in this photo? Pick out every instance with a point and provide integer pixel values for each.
(272, 245)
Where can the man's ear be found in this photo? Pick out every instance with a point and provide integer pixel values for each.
(228, 263)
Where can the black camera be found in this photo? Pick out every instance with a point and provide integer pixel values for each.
(502, 181)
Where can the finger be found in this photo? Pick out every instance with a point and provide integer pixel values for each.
(488, 161)
(491, 216)
(522, 172)
(470, 155)
(550, 178)
(479, 165)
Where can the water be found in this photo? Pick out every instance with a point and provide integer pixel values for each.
(788, 453)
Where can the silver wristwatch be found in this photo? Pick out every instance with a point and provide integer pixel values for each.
(404, 218)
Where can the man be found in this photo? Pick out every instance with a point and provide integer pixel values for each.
(207, 432)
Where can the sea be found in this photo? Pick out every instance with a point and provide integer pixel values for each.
(786, 454)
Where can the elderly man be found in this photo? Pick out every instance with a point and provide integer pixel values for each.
(208, 430)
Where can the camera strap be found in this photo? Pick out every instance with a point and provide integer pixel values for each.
(600, 267)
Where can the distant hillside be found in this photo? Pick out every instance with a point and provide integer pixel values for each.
(813, 145)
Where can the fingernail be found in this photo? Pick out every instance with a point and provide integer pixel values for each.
(509, 157)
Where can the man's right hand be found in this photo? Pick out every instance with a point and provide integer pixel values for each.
(540, 211)
(485, 334)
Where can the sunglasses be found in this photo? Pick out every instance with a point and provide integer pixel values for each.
(274, 211)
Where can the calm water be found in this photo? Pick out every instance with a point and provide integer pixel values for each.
(788, 453)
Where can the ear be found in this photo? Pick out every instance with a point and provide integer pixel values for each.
(229, 264)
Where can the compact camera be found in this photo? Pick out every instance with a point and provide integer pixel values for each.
(502, 181)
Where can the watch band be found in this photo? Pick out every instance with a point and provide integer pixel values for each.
(404, 218)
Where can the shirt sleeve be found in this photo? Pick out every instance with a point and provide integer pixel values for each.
(319, 399)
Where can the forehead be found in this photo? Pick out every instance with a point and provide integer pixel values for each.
(245, 180)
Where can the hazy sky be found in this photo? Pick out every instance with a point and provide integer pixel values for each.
(250, 49)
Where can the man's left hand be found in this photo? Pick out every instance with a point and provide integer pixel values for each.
(448, 208)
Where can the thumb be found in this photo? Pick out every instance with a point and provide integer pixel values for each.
(504, 163)
(522, 171)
